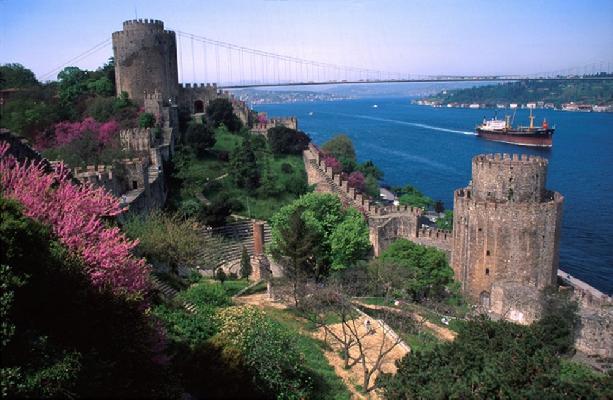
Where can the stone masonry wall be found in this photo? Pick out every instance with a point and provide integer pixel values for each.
(497, 238)
(386, 224)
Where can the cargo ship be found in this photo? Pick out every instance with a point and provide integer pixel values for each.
(503, 131)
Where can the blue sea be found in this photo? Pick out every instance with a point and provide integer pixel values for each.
(432, 148)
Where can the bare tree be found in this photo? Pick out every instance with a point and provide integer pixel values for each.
(366, 344)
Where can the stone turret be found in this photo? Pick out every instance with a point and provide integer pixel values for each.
(145, 60)
(506, 234)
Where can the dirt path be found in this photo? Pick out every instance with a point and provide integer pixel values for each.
(260, 300)
(440, 332)
(374, 344)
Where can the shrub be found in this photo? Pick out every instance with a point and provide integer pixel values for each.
(287, 168)
(268, 349)
(206, 294)
(168, 238)
(146, 120)
(284, 140)
(190, 328)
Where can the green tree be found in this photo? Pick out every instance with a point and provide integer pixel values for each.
(410, 196)
(370, 169)
(72, 84)
(349, 241)
(16, 76)
(169, 239)
(246, 268)
(297, 246)
(341, 147)
(270, 183)
(284, 140)
(220, 111)
(268, 349)
(371, 187)
(200, 136)
(322, 215)
(445, 223)
(146, 120)
(244, 167)
(488, 360)
(428, 272)
(220, 275)
(217, 212)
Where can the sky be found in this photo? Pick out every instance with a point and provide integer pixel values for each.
(417, 37)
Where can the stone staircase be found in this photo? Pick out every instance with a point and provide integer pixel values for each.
(170, 293)
(233, 237)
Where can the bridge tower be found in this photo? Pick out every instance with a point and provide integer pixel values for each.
(506, 235)
(146, 60)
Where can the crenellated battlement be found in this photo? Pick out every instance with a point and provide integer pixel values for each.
(505, 159)
(139, 23)
(199, 86)
(509, 178)
(155, 95)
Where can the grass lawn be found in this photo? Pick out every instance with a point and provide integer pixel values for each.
(454, 324)
(327, 384)
(235, 286)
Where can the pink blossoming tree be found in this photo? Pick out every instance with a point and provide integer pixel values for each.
(333, 163)
(66, 131)
(76, 214)
(356, 180)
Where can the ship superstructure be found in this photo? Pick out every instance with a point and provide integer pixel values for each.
(503, 131)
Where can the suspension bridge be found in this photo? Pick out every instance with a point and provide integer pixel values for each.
(231, 66)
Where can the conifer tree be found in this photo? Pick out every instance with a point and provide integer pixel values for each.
(246, 268)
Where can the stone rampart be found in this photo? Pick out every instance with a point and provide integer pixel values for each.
(196, 97)
(327, 181)
(101, 176)
(386, 224)
(263, 127)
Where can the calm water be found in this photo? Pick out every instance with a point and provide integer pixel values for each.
(432, 149)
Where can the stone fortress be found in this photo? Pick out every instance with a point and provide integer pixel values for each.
(504, 248)
(505, 243)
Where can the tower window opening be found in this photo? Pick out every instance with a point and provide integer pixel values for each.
(198, 107)
(487, 271)
(487, 253)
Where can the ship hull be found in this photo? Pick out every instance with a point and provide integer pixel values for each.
(541, 138)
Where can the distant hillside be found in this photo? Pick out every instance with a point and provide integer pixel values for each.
(556, 92)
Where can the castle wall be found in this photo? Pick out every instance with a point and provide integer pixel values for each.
(496, 239)
(263, 127)
(102, 176)
(190, 94)
(595, 333)
(138, 140)
(145, 60)
(386, 224)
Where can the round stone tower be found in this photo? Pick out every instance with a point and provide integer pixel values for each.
(146, 60)
(506, 234)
